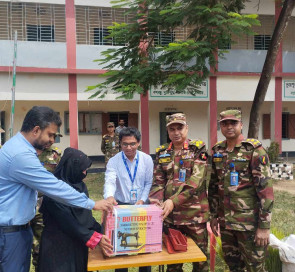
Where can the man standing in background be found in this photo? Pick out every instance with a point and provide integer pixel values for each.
(121, 126)
(110, 145)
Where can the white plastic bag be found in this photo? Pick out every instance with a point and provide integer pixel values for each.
(286, 250)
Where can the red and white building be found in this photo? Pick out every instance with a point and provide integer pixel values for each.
(59, 39)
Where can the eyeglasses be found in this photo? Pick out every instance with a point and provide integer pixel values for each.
(229, 123)
(110, 126)
(130, 144)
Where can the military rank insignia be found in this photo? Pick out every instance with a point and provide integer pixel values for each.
(203, 156)
(263, 160)
(217, 157)
(164, 158)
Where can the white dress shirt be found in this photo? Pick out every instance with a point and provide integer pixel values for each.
(117, 180)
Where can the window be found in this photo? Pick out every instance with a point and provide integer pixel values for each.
(266, 126)
(288, 126)
(88, 123)
(285, 127)
(261, 42)
(100, 35)
(40, 33)
(164, 38)
(115, 117)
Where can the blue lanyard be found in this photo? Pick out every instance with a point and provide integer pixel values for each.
(128, 170)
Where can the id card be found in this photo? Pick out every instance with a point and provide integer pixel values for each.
(234, 178)
(182, 173)
(113, 144)
(133, 195)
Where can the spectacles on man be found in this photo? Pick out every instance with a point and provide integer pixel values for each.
(129, 144)
(229, 123)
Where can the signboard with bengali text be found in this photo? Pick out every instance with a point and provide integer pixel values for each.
(201, 94)
(289, 90)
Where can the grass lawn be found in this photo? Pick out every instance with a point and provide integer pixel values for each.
(283, 214)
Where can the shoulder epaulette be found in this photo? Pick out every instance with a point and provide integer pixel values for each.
(162, 147)
(104, 135)
(254, 142)
(57, 150)
(198, 143)
(220, 143)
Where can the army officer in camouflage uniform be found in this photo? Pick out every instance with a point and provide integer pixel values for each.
(110, 144)
(179, 185)
(240, 196)
(49, 158)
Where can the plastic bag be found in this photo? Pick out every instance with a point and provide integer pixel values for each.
(286, 250)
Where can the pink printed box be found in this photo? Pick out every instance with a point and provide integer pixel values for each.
(134, 229)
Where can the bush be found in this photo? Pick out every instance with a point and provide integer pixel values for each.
(273, 152)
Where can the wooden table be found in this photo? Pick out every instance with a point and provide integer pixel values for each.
(97, 261)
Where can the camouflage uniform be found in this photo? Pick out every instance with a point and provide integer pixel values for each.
(244, 207)
(191, 209)
(110, 146)
(49, 158)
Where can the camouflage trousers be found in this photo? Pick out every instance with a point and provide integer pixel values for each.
(199, 234)
(37, 228)
(240, 251)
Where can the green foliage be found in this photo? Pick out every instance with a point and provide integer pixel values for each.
(138, 65)
(273, 151)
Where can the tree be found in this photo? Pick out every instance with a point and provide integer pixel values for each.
(270, 59)
(181, 64)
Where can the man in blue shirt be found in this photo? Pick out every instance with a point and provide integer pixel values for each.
(22, 175)
(129, 175)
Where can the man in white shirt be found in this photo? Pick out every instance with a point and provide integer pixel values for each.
(129, 175)
(120, 127)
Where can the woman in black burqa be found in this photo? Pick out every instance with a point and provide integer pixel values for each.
(69, 231)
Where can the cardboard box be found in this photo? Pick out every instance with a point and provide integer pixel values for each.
(134, 229)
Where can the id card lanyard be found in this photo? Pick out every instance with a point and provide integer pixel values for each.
(131, 178)
(234, 176)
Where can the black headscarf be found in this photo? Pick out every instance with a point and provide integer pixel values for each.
(71, 166)
(70, 170)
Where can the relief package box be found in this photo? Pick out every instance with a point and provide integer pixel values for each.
(134, 229)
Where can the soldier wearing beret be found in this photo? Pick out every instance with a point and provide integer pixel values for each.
(179, 186)
(240, 196)
(110, 144)
(49, 158)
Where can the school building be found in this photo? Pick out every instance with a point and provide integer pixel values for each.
(59, 39)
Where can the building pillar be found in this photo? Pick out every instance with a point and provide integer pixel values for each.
(213, 111)
(144, 122)
(278, 86)
(72, 78)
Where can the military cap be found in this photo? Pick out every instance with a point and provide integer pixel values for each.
(176, 118)
(110, 124)
(2, 130)
(230, 115)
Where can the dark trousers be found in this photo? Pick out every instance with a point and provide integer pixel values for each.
(140, 269)
(15, 250)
